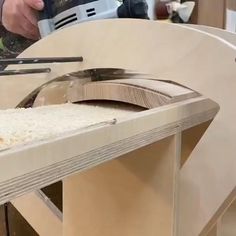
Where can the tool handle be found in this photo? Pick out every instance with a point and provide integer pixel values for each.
(47, 12)
(45, 17)
(133, 9)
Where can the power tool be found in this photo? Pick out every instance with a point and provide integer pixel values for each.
(58, 14)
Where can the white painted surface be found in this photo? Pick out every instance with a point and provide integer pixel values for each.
(151, 7)
(231, 20)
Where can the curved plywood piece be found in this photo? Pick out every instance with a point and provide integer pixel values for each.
(145, 93)
(54, 93)
(197, 60)
(226, 35)
(111, 58)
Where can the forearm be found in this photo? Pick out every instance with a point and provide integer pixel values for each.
(19, 17)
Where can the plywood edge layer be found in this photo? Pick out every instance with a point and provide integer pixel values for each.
(80, 151)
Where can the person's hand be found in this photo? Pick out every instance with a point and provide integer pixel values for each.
(19, 17)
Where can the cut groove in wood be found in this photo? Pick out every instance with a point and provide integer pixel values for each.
(140, 92)
(146, 93)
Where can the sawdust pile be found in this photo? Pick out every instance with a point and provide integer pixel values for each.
(21, 126)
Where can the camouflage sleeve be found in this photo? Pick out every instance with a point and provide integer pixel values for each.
(1, 4)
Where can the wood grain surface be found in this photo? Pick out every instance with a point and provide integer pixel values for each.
(211, 13)
(133, 195)
(223, 34)
(141, 92)
(231, 4)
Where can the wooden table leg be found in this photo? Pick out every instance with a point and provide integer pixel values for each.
(133, 195)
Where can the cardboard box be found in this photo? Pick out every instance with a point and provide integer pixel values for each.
(211, 13)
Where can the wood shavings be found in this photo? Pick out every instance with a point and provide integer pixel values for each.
(21, 126)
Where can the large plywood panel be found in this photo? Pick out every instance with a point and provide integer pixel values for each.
(133, 195)
(202, 62)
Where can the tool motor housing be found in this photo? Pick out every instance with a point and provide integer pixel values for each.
(58, 14)
(63, 14)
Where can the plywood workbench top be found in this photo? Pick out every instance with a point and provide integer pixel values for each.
(21, 126)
